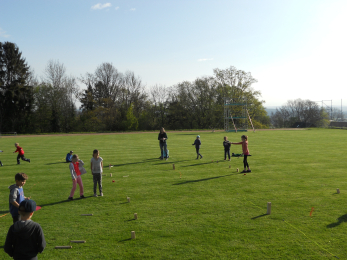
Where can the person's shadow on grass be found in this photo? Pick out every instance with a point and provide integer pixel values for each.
(205, 179)
(340, 220)
(63, 201)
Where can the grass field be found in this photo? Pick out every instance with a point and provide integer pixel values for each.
(211, 212)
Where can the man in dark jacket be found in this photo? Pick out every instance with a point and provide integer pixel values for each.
(25, 238)
(162, 137)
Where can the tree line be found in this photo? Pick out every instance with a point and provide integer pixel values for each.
(114, 101)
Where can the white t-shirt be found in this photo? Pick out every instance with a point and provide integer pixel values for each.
(96, 165)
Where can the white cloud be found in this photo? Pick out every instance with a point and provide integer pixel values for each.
(132, 9)
(117, 7)
(100, 6)
(3, 33)
(205, 59)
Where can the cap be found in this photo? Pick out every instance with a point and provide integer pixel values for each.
(27, 206)
(198, 136)
(71, 151)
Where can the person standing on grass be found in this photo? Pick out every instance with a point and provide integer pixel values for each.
(17, 195)
(25, 238)
(162, 137)
(20, 153)
(245, 152)
(76, 170)
(197, 144)
(96, 165)
(226, 145)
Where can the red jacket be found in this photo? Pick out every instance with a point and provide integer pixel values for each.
(19, 150)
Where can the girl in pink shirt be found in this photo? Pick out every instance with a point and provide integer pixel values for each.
(76, 170)
(245, 152)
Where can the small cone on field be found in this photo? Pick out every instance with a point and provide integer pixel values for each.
(135, 215)
(110, 174)
(128, 198)
(338, 191)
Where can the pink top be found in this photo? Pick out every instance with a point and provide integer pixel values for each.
(245, 150)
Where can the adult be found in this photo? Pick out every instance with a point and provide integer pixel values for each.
(69, 156)
(162, 137)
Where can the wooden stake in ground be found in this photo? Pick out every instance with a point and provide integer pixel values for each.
(237, 169)
(135, 215)
(77, 241)
(133, 236)
(128, 198)
(86, 214)
(268, 208)
(173, 166)
(338, 191)
(63, 247)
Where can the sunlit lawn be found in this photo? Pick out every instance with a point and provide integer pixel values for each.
(200, 210)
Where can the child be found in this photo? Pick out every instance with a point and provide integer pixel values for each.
(17, 195)
(25, 238)
(245, 152)
(96, 165)
(69, 156)
(226, 145)
(20, 153)
(197, 144)
(76, 170)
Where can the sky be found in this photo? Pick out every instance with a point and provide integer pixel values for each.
(294, 48)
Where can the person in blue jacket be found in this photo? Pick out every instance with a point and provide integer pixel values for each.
(69, 156)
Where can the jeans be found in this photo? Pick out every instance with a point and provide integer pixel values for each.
(21, 157)
(163, 147)
(226, 152)
(97, 179)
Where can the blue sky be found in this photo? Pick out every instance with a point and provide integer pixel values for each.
(295, 49)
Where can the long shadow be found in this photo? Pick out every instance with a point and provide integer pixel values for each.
(128, 239)
(170, 162)
(340, 220)
(2, 246)
(259, 216)
(206, 179)
(123, 164)
(196, 164)
(55, 163)
(4, 211)
(63, 201)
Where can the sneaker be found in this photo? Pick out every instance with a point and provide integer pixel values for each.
(243, 171)
(197, 159)
(70, 198)
(29, 160)
(101, 194)
(82, 197)
(201, 157)
(249, 170)
(165, 159)
(95, 195)
(224, 159)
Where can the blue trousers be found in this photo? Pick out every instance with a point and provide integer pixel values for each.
(163, 147)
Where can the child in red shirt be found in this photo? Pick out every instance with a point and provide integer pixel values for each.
(245, 152)
(20, 153)
(76, 170)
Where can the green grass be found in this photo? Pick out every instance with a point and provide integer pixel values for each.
(212, 212)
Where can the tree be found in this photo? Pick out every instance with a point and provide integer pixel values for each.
(305, 111)
(16, 96)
